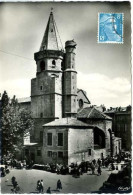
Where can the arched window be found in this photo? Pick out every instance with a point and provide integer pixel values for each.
(99, 139)
(54, 62)
(42, 66)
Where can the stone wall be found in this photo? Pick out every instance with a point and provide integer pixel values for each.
(55, 148)
(96, 154)
(38, 127)
(79, 141)
(105, 125)
(49, 65)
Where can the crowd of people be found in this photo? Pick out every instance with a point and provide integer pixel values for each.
(73, 169)
(94, 167)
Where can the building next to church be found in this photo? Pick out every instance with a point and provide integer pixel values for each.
(66, 128)
(121, 124)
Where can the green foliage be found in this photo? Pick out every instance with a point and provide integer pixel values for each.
(16, 124)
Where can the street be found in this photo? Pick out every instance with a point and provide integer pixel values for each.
(27, 180)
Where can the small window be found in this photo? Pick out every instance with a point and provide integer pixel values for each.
(42, 65)
(72, 77)
(54, 62)
(74, 100)
(39, 153)
(89, 152)
(51, 30)
(41, 87)
(49, 154)
(41, 114)
(60, 154)
(60, 139)
(49, 139)
(41, 136)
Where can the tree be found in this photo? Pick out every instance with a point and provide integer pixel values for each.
(24, 124)
(6, 140)
(16, 123)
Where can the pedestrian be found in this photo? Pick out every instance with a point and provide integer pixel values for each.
(80, 171)
(13, 180)
(94, 161)
(99, 170)
(59, 185)
(11, 163)
(99, 162)
(112, 166)
(93, 168)
(15, 185)
(48, 190)
(41, 185)
(103, 162)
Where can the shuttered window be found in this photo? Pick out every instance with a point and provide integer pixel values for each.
(60, 139)
(49, 139)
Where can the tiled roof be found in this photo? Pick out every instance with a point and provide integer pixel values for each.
(24, 100)
(68, 122)
(92, 113)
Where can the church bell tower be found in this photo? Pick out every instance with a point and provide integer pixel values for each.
(70, 81)
(46, 88)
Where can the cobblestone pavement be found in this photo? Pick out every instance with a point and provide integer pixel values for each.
(27, 180)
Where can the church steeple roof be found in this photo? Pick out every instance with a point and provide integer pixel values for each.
(51, 39)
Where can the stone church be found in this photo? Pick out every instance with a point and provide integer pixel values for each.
(67, 128)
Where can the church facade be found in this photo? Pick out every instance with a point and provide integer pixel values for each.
(66, 128)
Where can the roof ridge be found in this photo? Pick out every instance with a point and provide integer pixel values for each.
(90, 112)
(102, 113)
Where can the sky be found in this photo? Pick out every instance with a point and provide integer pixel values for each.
(104, 70)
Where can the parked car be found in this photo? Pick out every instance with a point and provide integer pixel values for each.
(53, 168)
(47, 167)
(64, 170)
(38, 167)
(19, 165)
(71, 168)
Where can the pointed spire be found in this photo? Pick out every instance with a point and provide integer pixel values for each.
(51, 39)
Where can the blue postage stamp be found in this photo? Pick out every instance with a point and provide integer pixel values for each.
(110, 28)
